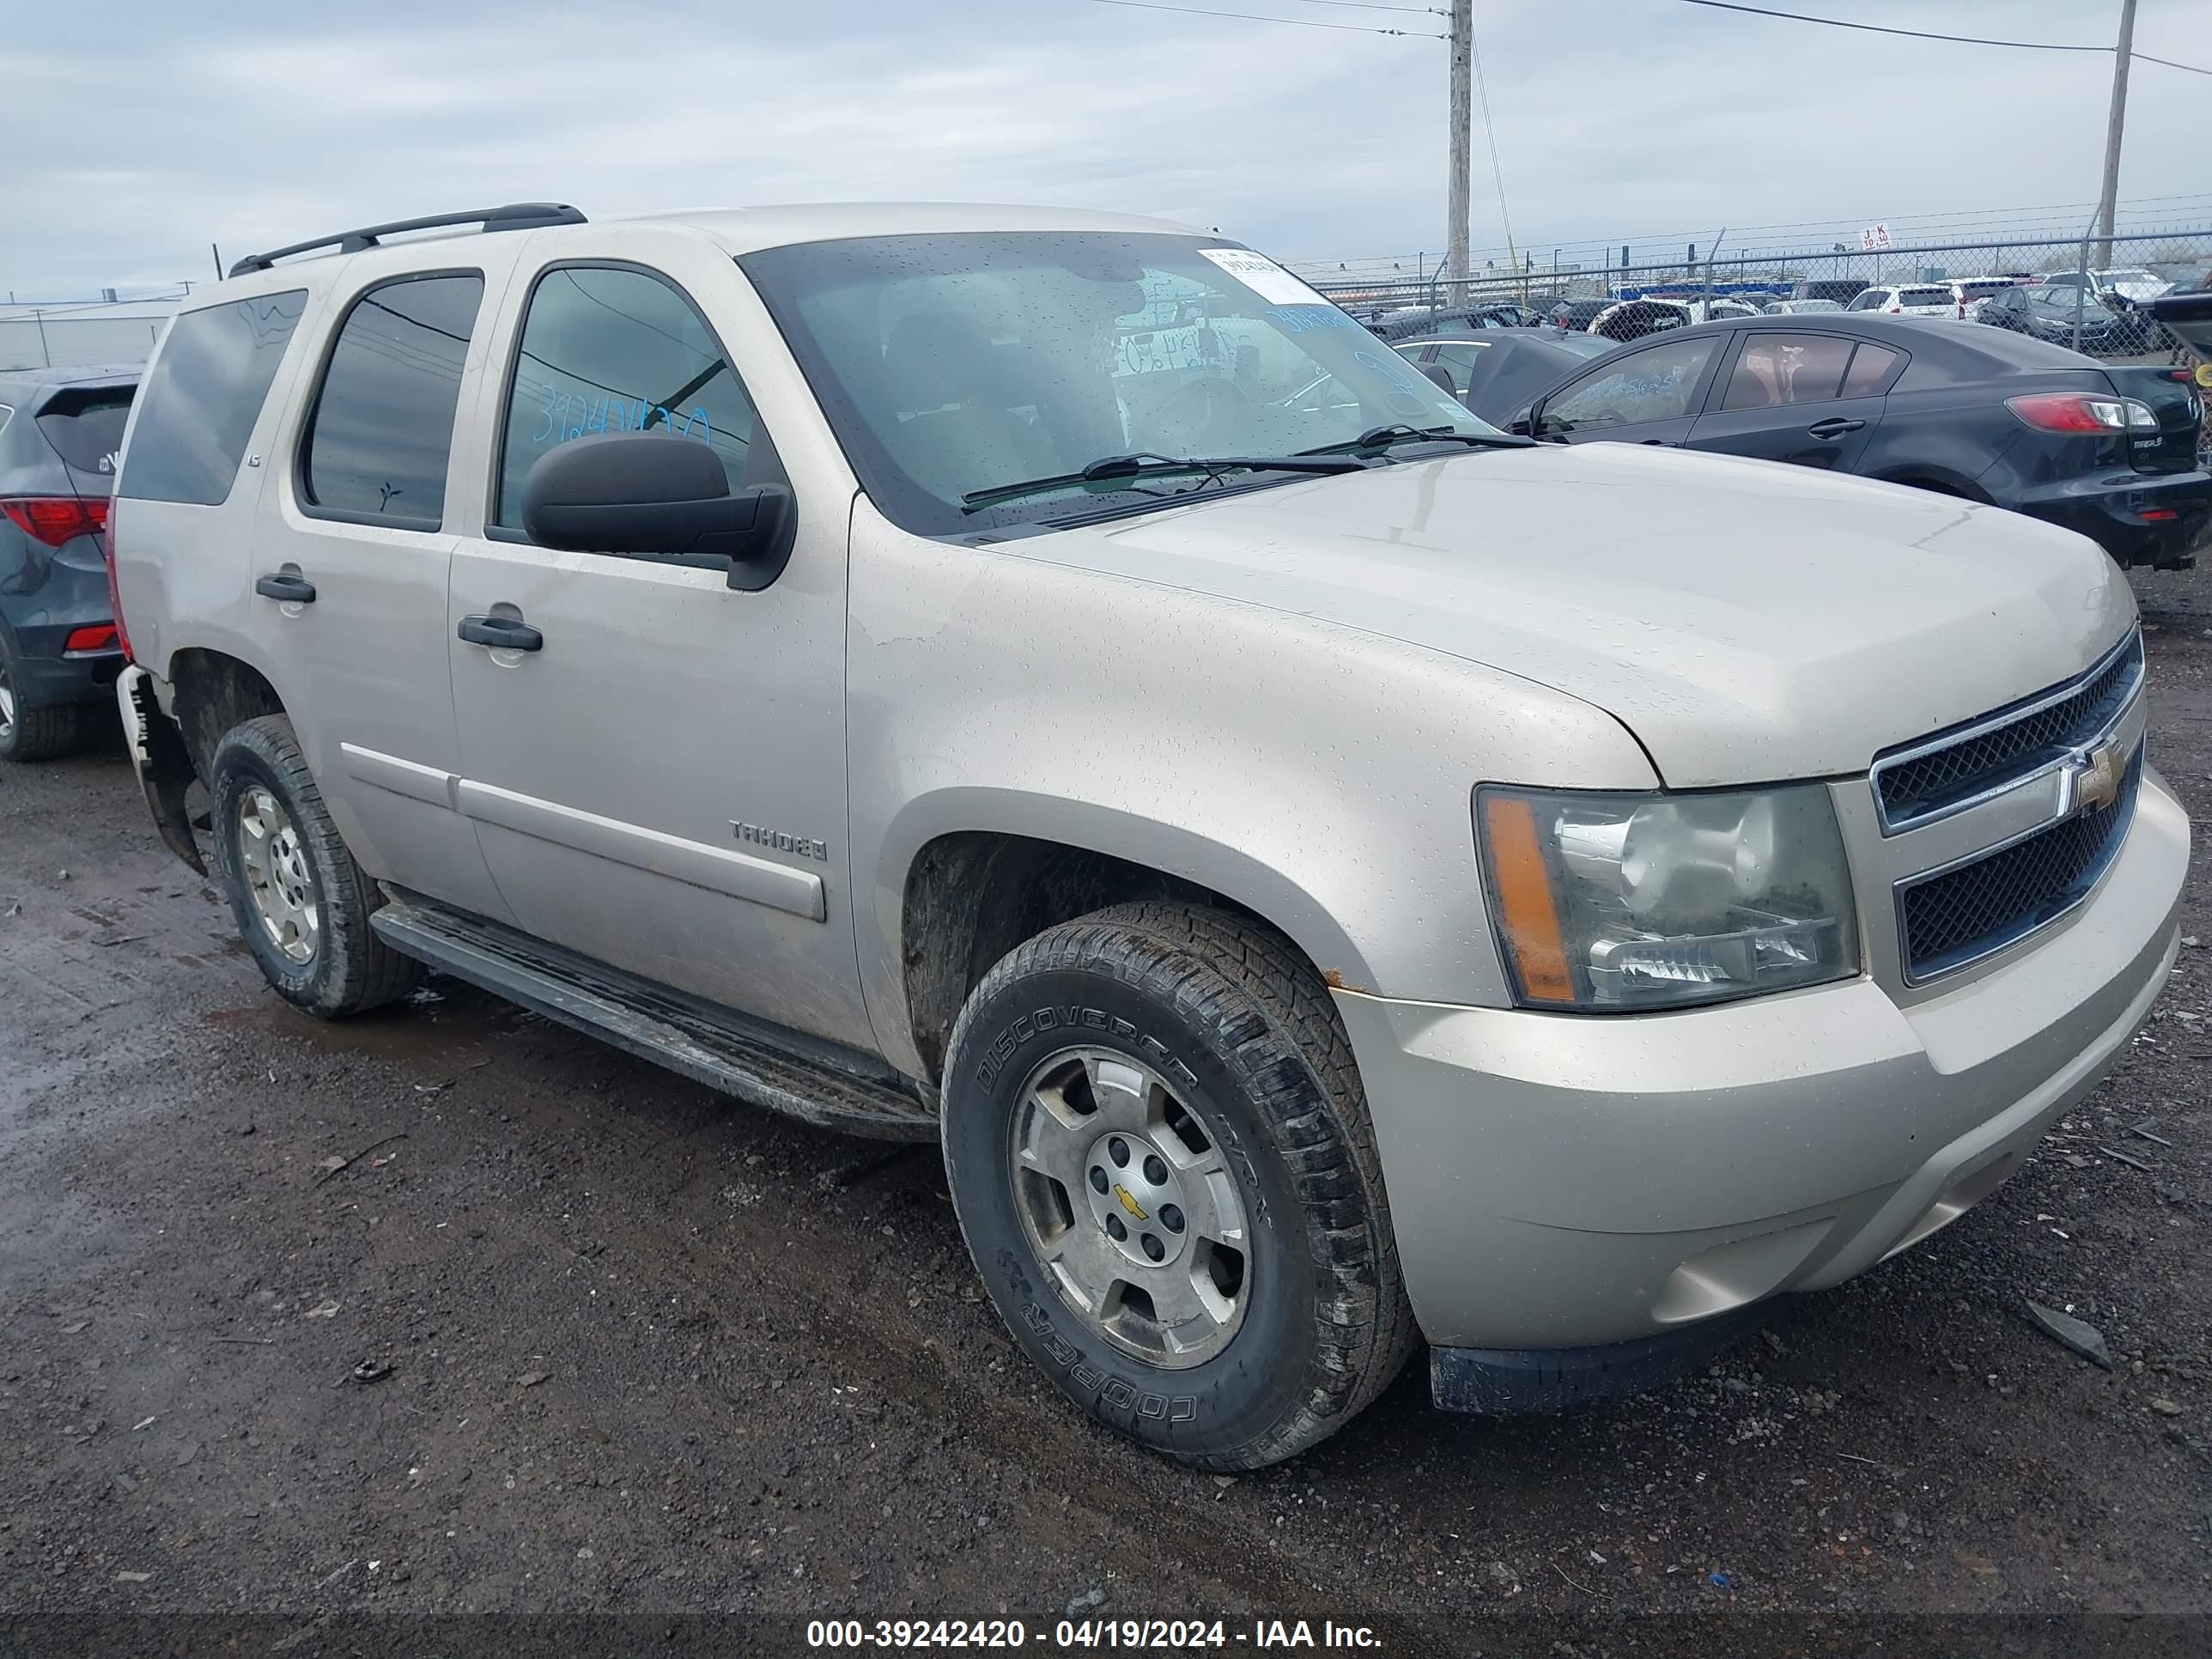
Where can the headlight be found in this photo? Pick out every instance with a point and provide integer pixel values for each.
(1622, 902)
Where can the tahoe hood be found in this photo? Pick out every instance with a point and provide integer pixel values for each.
(1748, 621)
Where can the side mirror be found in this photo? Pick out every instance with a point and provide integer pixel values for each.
(1442, 376)
(1522, 425)
(653, 493)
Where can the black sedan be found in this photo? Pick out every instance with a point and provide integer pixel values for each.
(1978, 413)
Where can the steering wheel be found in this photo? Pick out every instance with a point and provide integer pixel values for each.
(1193, 407)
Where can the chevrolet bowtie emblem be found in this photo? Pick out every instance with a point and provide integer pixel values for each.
(2097, 778)
(1129, 1202)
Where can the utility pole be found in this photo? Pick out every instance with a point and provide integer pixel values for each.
(1456, 255)
(2108, 199)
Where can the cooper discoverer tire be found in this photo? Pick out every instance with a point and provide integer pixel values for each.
(302, 903)
(1161, 1159)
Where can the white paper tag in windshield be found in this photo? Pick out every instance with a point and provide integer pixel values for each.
(1262, 275)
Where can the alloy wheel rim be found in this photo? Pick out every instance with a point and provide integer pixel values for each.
(1127, 1197)
(278, 879)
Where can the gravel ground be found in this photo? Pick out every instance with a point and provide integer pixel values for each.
(632, 1349)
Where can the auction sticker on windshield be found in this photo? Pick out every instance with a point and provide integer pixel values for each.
(1262, 275)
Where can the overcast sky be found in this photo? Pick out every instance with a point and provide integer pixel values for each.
(138, 131)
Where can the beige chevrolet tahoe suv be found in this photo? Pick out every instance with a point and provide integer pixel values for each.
(1049, 682)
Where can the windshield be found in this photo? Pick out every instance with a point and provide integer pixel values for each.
(952, 365)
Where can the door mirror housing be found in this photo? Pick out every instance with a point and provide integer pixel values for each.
(1522, 425)
(654, 495)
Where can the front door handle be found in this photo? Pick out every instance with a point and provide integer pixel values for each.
(502, 632)
(286, 589)
(1834, 427)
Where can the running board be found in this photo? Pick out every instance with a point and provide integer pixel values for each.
(807, 1077)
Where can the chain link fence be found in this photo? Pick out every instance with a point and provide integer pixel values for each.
(2087, 294)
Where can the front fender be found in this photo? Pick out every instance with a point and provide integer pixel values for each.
(1317, 774)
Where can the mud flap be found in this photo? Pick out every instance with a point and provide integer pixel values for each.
(163, 763)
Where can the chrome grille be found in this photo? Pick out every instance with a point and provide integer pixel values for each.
(1941, 774)
(1961, 914)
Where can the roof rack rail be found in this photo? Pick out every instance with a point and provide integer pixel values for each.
(515, 215)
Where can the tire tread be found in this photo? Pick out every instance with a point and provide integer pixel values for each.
(1237, 978)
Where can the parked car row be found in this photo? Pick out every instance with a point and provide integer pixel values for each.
(2107, 450)
(2101, 307)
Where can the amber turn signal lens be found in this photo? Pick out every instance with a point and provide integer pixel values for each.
(1523, 885)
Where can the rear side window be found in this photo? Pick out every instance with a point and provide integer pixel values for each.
(1787, 368)
(1870, 366)
(381, 432)
(608, 348)
(85, 426)
(203, 395)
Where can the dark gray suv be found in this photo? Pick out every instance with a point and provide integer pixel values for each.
(60, 432)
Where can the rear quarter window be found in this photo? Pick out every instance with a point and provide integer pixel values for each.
(85, 426)
(203, 395)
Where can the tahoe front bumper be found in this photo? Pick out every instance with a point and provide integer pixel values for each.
(1576, 1182)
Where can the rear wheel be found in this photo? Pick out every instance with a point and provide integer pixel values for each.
(1162, 1161)
(32, 734)
(302, 903)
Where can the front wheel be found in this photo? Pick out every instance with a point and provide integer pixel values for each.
(1161, 1158)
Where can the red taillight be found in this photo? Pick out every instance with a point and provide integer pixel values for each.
(1897, 311)
(98, 636)
(2069, 411)
(2184, 375)
(114, 591)
(55, 520)
(2159, 514)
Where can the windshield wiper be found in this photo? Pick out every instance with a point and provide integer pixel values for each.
(1108, 468)
(1382, 437)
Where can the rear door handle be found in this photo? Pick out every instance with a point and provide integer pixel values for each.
(502, 632)
(1834, 427)
(286, 589)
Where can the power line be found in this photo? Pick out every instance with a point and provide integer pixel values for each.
(1261, 17)
(1497, 171)
(1371, 5)
(1922, 34)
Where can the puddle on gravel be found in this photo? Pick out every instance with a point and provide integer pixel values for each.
(443, 1018)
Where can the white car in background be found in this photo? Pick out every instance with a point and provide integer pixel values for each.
(2133, 284)
(1909, 300)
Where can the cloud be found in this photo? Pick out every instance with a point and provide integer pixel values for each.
(135, 145)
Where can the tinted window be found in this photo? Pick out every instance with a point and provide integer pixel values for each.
(1870, 366)
(1787, 368)
(203, 395)
(85, 426)
(611, 350)
(382, 429)
(1655, 384)
(1928, 296)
